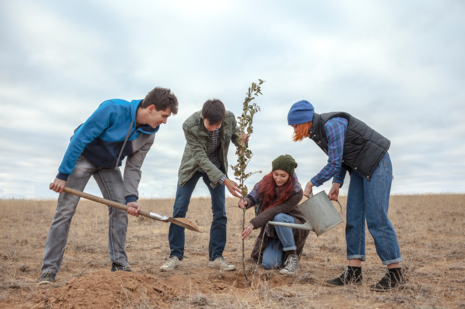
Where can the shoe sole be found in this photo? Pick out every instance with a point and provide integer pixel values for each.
(288, 273)
(385, 290)
(335, 285)
(218, 267)
(170, 269)
(45, 282)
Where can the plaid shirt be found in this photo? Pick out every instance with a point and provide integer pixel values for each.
(213, 152)
(335, 129)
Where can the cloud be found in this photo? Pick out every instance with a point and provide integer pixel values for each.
(397, 66)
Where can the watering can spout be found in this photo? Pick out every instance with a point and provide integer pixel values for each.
(320, 214)
(305, 226)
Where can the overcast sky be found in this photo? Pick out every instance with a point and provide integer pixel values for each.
(396, 65)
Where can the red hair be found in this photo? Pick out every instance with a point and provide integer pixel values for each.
(302, 131)
(268, 191)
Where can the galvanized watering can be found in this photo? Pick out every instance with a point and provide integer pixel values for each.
(320, 214)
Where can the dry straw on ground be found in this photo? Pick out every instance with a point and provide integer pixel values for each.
(430, 229)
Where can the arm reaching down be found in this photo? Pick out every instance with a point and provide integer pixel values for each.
(263, 218)
(132, 170)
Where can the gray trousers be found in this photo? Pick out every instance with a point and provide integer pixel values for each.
(111, 185)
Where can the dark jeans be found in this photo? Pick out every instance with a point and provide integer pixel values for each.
(218, 227)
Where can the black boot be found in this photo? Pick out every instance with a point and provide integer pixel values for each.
(350, 275)
(392, 279)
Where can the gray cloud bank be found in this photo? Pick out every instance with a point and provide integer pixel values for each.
(398, 66)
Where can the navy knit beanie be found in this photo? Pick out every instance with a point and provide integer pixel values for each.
(301, 112)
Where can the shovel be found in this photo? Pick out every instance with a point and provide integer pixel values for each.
(178, 221)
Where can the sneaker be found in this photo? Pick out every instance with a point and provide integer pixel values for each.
(117, 267)
(47, 277)
(350, 275)
(291, 265)
(221, 263)
(171, 264)
(392, 279)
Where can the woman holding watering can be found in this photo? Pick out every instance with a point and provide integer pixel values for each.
(276, 198)
(353, 146)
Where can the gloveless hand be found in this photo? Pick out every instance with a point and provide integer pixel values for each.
(245, 137)
(233, 188)
(308, 189)
(334, 192)
(58, 185)
(242, 203)
(247, 231)
(133, 209)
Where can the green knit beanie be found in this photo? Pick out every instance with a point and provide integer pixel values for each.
(285, 163)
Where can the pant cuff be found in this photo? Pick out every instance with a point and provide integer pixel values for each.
(48, 271)
(392, 261)
(352, 257)
(290, 248)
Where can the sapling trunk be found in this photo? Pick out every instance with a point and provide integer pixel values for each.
(244, 154)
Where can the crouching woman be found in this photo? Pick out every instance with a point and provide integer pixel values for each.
(276, 198)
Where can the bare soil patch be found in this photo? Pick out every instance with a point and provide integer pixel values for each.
(430, 228)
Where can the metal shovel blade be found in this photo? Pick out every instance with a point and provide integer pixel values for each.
(183, 222)
(178, 221)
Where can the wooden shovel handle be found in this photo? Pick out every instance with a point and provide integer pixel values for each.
(103, 201)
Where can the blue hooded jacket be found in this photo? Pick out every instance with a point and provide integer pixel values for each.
(100, 139)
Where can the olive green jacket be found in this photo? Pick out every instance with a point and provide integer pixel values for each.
(197, 144)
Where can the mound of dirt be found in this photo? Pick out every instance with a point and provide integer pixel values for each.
(105, 289)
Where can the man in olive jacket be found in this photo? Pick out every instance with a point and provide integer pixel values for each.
(208, 135)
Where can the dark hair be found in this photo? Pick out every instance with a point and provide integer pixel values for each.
(214, 111)
(162, 98)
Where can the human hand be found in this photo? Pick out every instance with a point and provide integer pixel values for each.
(242, 203)
(133, 209)
(58, 185)
(308, 189)
(233, 188)
(245, 137)
(334, 192)
(247, 231)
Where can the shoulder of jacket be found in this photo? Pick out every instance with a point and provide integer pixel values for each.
(115, 105)
(191, 121)
(229, 116)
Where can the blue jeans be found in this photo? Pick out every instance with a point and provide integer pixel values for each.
(218, 227)
(273, 255)
(369, 199)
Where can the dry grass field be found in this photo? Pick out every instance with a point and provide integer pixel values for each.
(430, 228)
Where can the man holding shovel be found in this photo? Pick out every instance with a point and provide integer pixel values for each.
(208, 134)
(117, 129)
(353, 146)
